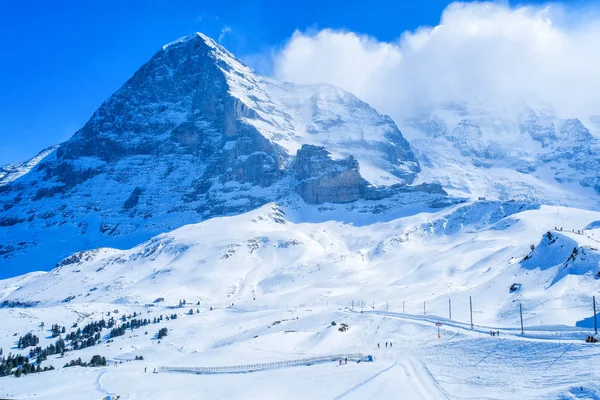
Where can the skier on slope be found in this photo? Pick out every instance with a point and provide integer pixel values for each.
(386, 344)
(377, 345)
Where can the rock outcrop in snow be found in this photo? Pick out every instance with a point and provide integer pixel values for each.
(322, 179)
(565, 253)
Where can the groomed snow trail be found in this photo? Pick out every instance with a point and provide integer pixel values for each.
(535, 333)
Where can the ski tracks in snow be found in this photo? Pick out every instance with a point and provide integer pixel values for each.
(559, 357)
(364, 382)
(490, 353)
(408, 377)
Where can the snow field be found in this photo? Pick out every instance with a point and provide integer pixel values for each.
(462, 364)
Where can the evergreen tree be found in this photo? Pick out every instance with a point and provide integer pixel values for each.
(97, 361)
(162, 333)
(28, 340)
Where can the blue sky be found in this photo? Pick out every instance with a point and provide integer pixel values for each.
(62, 59)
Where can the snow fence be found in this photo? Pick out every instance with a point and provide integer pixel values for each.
(237, 369)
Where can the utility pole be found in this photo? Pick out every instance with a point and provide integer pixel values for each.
(471, 308)
(424, 313)
(595, 321)
(449, 309)
(387, 306)
(373, 306)
(521, 312)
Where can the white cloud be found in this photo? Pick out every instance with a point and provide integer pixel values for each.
(224, 31)
(479, 52)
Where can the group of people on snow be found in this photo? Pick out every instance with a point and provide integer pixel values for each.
(386, 345)
(345, 361)
(590, 339)
(494, 333)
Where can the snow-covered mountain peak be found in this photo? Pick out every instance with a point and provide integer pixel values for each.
(194, 36)
(322, 115)
(194, 134)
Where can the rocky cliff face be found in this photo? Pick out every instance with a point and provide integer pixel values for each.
(194, 134)
(322, 179)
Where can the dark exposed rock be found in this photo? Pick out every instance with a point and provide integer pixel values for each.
(133, 200)
(323, 179)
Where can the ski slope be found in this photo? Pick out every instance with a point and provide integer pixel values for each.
(461, 364)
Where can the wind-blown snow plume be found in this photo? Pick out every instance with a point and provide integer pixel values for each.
(478, 52)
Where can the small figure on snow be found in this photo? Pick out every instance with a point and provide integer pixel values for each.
(377, 345)
(390, 344)
(385, 344)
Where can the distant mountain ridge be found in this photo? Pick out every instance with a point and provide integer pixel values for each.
(196, 134)
(11, 172)
(523, 152)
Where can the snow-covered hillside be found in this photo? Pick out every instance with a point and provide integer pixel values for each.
(266, 287)
(270, 256)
